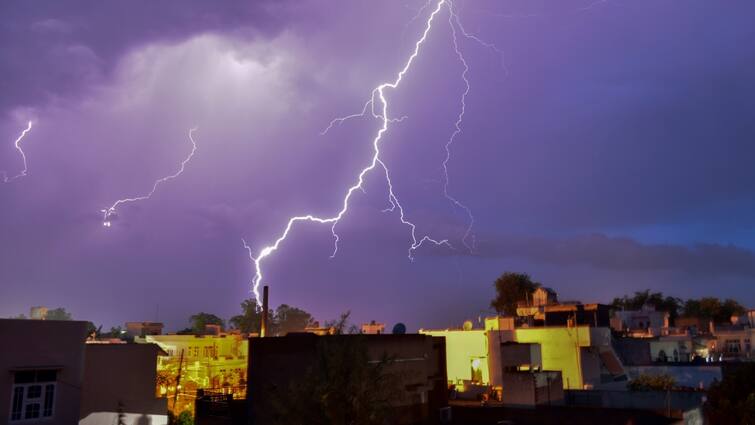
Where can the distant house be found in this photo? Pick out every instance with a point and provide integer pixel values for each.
(373, 328)
(134, 329)
(544, 296)
(644, 322)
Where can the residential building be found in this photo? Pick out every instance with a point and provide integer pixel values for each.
(416, 361)
(524, 383)
(211, 362)
(41, 371)
(134, 329)
(730, 342)
(582, 353)
(638, 323)
(373, 328)
(120, 385)
(38, 313)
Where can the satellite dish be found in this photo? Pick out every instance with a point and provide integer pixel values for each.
(399, 329)
(468, 325)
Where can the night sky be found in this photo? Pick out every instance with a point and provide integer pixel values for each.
(610, 148)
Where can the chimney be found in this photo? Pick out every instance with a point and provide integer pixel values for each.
(263, 327)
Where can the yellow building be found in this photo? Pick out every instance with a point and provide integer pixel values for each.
(466, 355)
(217, 363)
(583, 354)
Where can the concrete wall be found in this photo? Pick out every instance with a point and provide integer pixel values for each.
(560, 349)
(417, 361)
(463, 347)
(121, 378)
(44, 344)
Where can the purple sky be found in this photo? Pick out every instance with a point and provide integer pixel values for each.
(610, 151)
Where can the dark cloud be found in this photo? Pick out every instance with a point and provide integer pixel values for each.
(625, 254)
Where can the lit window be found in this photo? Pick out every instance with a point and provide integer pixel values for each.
(33, 395)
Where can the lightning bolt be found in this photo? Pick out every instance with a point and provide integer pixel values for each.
(110, 212)
(377, 108)
(17, 144)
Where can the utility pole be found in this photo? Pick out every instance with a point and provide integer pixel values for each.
(178, 379)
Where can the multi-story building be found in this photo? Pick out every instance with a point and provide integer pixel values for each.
(731, 342)
(51, 376)
(581, 352)
(216, 363)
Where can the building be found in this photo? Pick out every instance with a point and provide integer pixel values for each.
(41, 371)
(644, 322)
(373, 328)
(416, 362)
(730, 342)
(574, 340)
(215, 363)
(120, 384)
(38, 313)
(544, 296)
(134, 329)
(524, 383)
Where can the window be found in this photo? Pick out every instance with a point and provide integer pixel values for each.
(33, 395)
(733, 346)
(748, 347)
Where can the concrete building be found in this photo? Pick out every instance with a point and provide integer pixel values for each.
(215, 363)
(730, 342)
(134, 329)
(51, 376)
(523, 382)
(416, 365)
(41, 373)
(373, 328)
(582, 353)
(120, 384)
(644, 322)
(38, 313)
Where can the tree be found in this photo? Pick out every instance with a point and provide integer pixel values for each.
(251, 318)
(712, 308)
(201, 319)
(341, 325)
(283, 320)
(20, 317)
(646, 382)
(732, 401)
(342, 387)
(58, 314)
(114, 332)
(671, 305)
(291, 319)
(511, 288)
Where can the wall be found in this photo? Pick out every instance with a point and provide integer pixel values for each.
(121, 378)
(417, 361)
(462, 347)
(559, 347)
(44, 344)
